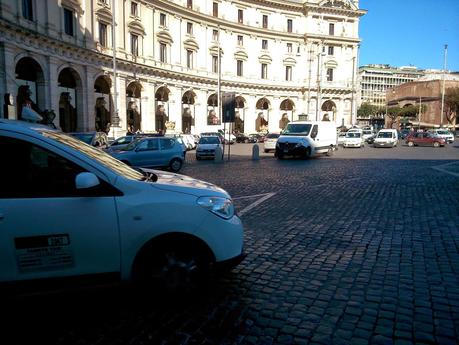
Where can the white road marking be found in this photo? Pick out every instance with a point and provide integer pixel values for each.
(443, 166)
(263, 198)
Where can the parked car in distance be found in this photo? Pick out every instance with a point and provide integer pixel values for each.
(386, 138)
(256, 138)
(207, 146)
(367, 135)
(91, 216)
(404, 133)
(242, 138)
(443, 133)
(353, 139)
(153, 152)
(270, 142)
(425, 139)
(214, 134)
(96, 139)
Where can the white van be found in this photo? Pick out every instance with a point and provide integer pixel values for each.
(70, 210)
(306, 139)
(386, 138)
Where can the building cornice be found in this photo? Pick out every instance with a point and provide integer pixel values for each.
(193, 15)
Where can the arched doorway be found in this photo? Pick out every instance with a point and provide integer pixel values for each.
(68, 84)
(262, 120)
(213, 113)
(134, 107)
(286, 107)
(329, 107)
(30, 81)
(162, 108)
(103, 106)
(188, 100)
(240, 115)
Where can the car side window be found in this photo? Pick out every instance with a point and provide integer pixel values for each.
(36, 172)
(315, 131)
(167, 144)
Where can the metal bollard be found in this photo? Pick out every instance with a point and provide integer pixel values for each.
(218, 155)
(255, 152)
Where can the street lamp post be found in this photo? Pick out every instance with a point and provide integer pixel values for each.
(443, 87)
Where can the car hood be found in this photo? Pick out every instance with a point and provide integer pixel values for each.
(291, 138)
(187, 185)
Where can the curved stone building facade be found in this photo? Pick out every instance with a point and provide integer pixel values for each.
(282, 59)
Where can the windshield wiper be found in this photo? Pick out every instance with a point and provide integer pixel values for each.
(148, 176)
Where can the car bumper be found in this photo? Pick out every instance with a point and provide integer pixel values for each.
(376, 144)
(205, 154)
(291, 151)
(230, 263)
(352, 144)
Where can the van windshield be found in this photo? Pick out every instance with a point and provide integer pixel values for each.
(297, 129)
(385, 135)
(95, 154)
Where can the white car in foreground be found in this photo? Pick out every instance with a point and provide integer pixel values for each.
(69, 210)
(353, 139)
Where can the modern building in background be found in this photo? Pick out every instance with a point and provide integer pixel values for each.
(294, 57)
(375, 79)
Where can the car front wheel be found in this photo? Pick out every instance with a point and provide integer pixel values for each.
(175, 165)
(410, 144)
(436, 144)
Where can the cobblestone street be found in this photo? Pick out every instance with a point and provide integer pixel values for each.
(358, 248)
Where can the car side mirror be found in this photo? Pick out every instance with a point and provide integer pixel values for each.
(86, 180)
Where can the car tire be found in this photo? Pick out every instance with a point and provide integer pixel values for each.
(279, 155)
(173, 268)
(410, 144)
(308, 153)
(330, 151)
(198, 158)
(175, 164)
(436, 144)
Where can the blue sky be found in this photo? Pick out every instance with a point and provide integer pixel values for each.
(410, 32)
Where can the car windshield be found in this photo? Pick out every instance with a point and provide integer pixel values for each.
(122, 141)
(443, 132)
(209, 140)
(84, 137)
(132, 145)
(385, 135)
(95, 154)
(272, 136)
(353, 135)
(297, 129)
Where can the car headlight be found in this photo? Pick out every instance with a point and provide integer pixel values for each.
(222, 207)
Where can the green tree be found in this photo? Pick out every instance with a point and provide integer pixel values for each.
(452, 104)
(393, 113)
(366, 110)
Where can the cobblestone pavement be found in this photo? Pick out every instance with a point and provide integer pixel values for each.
(351, 249)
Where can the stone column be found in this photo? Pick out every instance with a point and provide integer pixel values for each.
(7, 78)
(89, 114)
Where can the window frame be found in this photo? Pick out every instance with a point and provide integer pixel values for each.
(163, 20)
(289, 25)
(103, 39)
(240, 16)
(215, 9)
(288, 73)
(264, 21)
(329, 74)
(162, 52)
(331, 29)
(264, 71)
(28, 10)
(189, 59)
(69, 27)
(134, 44)
(264, 44)
(240, 68)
